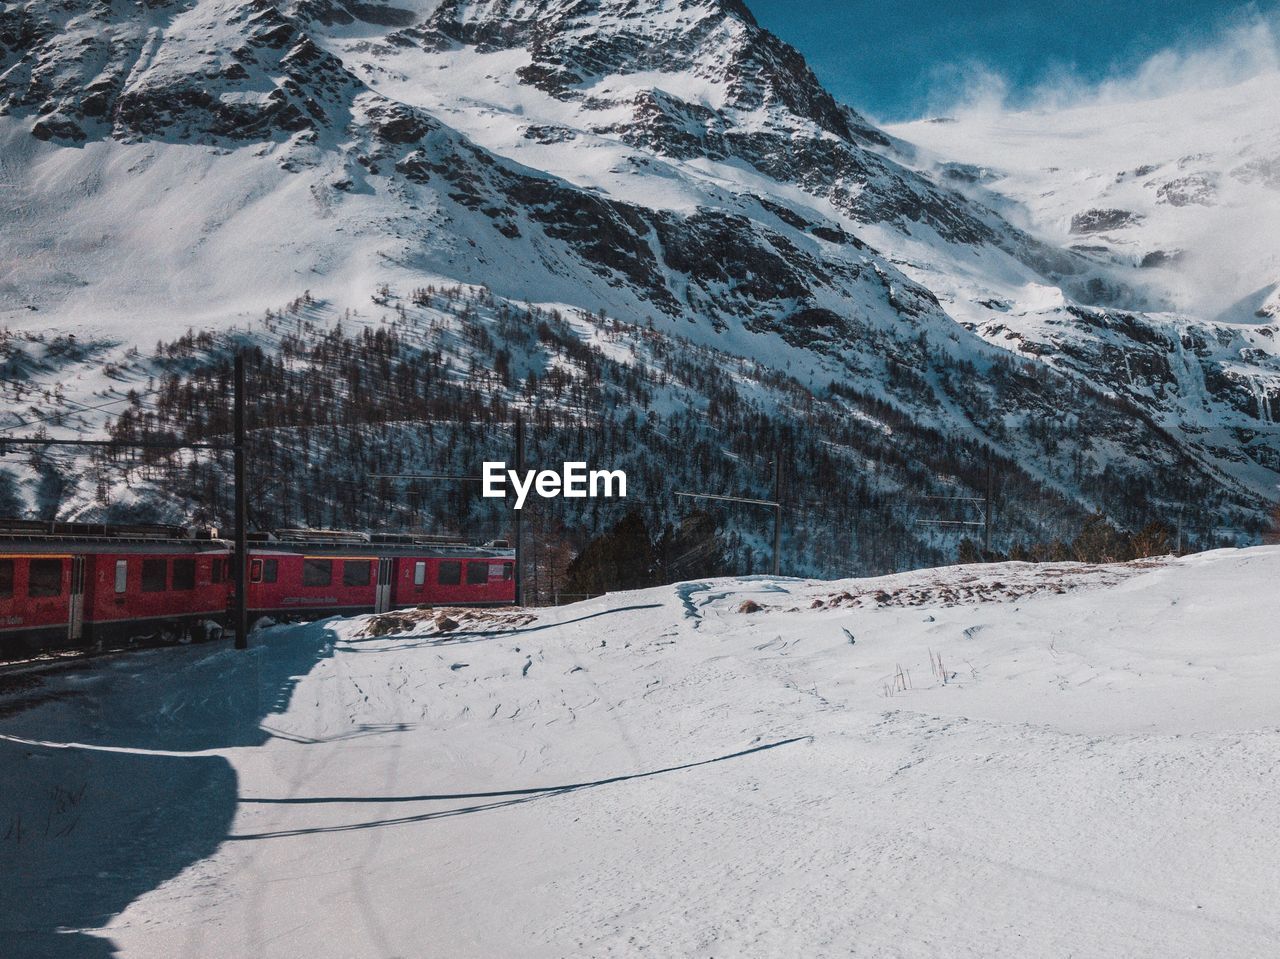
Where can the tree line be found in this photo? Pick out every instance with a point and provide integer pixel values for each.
(343, 407)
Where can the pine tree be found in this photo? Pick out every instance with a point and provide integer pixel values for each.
(1272, 536)
(692, 550)
(1100, 542)
(622, 558)
(1154, 539)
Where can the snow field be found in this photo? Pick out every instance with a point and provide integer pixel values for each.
(1095, 779)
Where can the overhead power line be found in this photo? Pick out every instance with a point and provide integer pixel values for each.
(50, 417)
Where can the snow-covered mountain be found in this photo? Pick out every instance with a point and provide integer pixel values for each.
(1179, 192)
(1183, 186)
(670, 163)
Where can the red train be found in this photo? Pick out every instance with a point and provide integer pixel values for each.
(68, 585)
(323, 573)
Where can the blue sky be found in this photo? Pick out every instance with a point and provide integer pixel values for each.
(902, 59)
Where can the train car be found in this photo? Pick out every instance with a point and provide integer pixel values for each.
(68, 585)
(297, 574)
(460, 577)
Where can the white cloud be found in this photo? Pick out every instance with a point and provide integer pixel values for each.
(1245, 47)
(1200, 113)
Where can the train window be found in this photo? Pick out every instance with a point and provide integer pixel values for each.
(154, 573)
(508, 571)
(449, 574)
(355, 572)
(317, 572)
(122, 575)
(6, 578)
(477, 573)
(419, 573)
(44, 577)
(255, 571)
(184, 574)
(270, 570)
(215, 571)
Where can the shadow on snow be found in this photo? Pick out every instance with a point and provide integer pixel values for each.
(510, 797)
(84, 832)
(88, 827)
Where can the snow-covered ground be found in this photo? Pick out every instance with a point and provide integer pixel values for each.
(671, 773)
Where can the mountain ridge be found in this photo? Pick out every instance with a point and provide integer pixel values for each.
(670, 163)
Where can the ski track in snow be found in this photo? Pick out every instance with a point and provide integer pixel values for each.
(662, 773)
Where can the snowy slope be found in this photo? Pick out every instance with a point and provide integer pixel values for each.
(663, 773)
(1182, 186)
(1178, 193)
(199, 162)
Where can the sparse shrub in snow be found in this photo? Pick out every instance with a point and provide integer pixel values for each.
(1272, 535)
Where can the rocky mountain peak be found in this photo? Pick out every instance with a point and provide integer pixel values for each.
(573, 44)
(235, 70)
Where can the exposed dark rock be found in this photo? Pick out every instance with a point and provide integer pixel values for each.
(785, 214)
(713, 248)
(815, 318)
(55, 127)
(967, 173)
(549, 134)
(1264, 170)
(83, 85)
(1160, 258)
(670, 126)
(1198, 188)
(382, 15)
(397, 123)
(1102, 220)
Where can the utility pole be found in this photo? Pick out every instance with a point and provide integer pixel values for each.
(519, 522)
(240, 615)
(987, 532)
(777, 512)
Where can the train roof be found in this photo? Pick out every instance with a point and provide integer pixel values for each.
(37, 528)
(339, 541)
(48, 536)
(342, 548)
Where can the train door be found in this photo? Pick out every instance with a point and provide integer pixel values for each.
(75, 612)
(382, 598)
